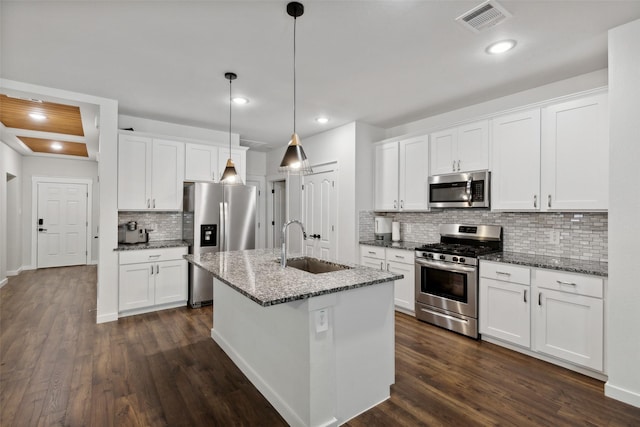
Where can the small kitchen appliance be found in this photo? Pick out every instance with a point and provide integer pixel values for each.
(447, 276)
(382, 228)
(130, 233)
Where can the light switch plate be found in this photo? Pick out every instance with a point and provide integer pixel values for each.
(322, 320)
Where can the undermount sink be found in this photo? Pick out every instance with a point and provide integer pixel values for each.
(315, 266)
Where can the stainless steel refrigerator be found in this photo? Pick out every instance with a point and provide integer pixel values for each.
(215, 218)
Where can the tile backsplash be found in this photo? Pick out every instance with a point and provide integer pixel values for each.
(565, 234)
(165, 225)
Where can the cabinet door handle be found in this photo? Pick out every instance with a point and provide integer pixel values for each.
(395, 204)
(549, 201)
(381, 265)
(387, 267)
(154, 203)
(458, 165)
(157, 269)
(401, 204)
(535, 200)
(540, 298)
(560, 282)
(152, 270)
(525, 295)
(148, 203)
(453, 166)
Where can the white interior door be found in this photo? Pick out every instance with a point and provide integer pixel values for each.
(279, 196)
(320, 214)
(258, 182)
(62, 224)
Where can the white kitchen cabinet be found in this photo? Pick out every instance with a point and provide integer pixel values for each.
(201, 163)
(398, 261)
(568, 316)
(150, 173)
(461, 149)
(505, 303)
(152, 279)
(401, 175)
(575, 155)
(515, 175)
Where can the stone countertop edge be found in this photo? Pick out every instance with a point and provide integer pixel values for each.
(158, 244)
(406, 245)
(594, 268)
(257, 275)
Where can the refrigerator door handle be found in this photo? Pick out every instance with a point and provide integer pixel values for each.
(221, 230)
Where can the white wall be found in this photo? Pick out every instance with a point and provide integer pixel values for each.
(10, 210)
(623, 298)
(539, 94)
(56, 168)
(256, 163)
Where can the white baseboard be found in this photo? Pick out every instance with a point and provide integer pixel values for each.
(621, 394)
(15, 272)
(3, 282)
(109, 317)
(28, 267)
(93, 262)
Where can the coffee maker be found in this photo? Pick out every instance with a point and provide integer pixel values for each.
(382, 228)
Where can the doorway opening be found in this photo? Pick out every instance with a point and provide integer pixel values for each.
(277, 212)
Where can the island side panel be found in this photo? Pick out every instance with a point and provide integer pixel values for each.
(364, 336)
(273, 346)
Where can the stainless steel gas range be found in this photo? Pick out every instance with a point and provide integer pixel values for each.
(447, 276)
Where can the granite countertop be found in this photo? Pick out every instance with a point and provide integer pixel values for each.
(257, 275)
(407, 245)
(594, 268)
(158, 244)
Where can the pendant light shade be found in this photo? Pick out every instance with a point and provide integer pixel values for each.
(230, 175)
(295, 160)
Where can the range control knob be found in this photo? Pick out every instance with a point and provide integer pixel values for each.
(462, 260)
(455, 259)
(429, 255)
(442, 257)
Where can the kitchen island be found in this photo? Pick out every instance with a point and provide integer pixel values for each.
(319, 347)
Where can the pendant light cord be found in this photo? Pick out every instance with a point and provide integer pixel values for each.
(294, 74)
(230, 103)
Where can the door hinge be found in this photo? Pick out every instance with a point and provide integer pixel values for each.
(259, 193)
(302, 187)
(333, 228)
(333, 183)
(273, 223)
(273, 191)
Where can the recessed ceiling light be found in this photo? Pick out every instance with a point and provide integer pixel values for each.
(56, 146)
(322, 120)
(240, 100)
(37, 116)
(500, 47)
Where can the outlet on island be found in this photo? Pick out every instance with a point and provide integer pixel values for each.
(554, 237)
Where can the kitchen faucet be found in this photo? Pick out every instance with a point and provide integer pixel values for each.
(283, 255)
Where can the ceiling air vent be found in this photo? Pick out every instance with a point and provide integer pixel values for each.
(483, 16)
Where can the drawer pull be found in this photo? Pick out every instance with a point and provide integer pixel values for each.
(399, 256)
(154, 256)
(560, 282)
(372, 252)
(525, 295)
(504, 273)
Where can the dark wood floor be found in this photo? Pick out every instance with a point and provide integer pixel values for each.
(58, 367)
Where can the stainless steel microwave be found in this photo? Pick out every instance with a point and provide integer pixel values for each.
(460, 190)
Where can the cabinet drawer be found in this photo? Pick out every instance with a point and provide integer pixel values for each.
(151, 255)
(372, 252)
(572, 283)
(505, 272)
(400, 255)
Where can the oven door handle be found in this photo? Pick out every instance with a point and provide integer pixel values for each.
(445, 266)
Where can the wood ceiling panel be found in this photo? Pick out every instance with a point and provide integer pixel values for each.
(40, 145)
(64, 119)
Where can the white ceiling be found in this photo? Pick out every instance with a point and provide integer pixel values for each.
(385, 63)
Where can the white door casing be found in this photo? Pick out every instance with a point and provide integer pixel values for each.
(259, 183)
(61, 224)
(320, 213)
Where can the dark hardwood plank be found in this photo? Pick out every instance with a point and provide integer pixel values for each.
(57, 367)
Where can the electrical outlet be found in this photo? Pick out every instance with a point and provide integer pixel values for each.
(407, 227)
(554, 237)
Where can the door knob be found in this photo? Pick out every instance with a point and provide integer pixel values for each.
(42, 229)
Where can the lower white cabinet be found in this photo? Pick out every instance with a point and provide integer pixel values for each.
(398, 261)
(152, 279)
(545, 312)
(568, 317)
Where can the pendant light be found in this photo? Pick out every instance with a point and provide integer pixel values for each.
(295, 160)
(230, 175)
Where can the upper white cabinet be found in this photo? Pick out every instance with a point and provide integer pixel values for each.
(515, 176)
(201, 163)
(207, 162)
(401, 175)
(460, 149)
(575, 155)
(150, 173)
